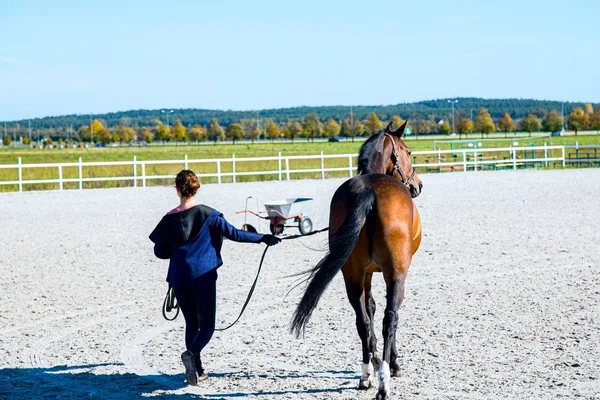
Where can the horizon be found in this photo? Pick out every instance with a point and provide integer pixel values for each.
(292, 107)
(69, 58)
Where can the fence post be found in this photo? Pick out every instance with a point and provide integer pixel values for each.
(233, 166)
(322, 166)
(546, 153)
(474, 158)
(514, 157)
(185, 162)
(464, 153)
(60, 179)
(80, 168)
(143, 174)
(350, 166)
(20, 176)
(134, 171)
(287, 168)
(218, 171)
(563, 156)
(279, 164)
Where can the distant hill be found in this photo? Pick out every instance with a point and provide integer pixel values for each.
(428, 109)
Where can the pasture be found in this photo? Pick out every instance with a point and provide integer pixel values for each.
(502, 299)
(262, 149)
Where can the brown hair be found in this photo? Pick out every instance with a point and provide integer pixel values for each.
(187, 183)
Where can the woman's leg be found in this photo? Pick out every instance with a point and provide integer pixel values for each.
(187, 304)
(205, 304)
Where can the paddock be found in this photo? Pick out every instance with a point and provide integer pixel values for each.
(502, 299)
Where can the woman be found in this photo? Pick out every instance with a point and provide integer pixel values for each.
(191, 236)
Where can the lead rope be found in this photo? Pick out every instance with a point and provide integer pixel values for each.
(169, 303)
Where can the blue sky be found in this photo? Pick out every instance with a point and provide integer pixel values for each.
(77, 57)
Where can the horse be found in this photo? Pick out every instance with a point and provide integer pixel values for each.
(374, 226)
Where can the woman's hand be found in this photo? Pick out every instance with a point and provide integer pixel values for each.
(270, 240)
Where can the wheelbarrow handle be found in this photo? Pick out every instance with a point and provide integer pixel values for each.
(251, 212)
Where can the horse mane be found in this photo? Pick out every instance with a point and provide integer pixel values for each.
(370, 155)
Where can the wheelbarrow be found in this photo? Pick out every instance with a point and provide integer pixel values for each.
(280, 212)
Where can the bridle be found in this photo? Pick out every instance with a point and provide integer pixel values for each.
(395, 159)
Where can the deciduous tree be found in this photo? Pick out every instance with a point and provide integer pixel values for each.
(396, 122)
(595, 119)
(234, 132)
(552, 122)
(292, 130)
(272, 131)
(331, 128)
(359, 129)
(197, 133)
(531, 123)
(178, 131)
(506, 123)
(465, 126)
(588, 109)
(215, 132)
(146, 135)
(346, 129)
(373, 124)
(445, 128)
(162, 133)
(484, 122)
(312, 126)
(578, 120)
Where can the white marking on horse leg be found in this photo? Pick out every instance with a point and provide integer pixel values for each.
(366, 379)
(384, 377)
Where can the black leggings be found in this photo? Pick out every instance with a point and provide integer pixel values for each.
(199, 309)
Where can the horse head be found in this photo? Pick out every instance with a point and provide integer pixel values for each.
(398, 159)
(386, 153)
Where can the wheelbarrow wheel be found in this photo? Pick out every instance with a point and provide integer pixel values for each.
(276, 229)
(305, 225)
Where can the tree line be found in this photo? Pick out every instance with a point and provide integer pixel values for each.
(310, 126)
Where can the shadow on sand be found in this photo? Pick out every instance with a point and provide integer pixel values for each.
(80, 382)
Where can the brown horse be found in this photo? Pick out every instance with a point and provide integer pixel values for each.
(374, 226)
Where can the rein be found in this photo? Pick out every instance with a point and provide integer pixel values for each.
(396, 158)
(169, 303)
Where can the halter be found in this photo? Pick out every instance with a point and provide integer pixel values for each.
(395, 159)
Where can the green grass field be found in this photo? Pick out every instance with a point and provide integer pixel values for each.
(259, 149)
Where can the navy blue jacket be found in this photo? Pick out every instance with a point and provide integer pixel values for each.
(191, 240)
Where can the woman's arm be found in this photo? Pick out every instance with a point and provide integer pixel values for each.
(161, 249)
(224, 228)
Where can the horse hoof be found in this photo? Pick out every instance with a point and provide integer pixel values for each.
(395, 371)
(365, 385)
(382, 396)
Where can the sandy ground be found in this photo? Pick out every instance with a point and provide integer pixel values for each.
(502, 301)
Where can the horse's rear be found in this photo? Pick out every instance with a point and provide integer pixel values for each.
(390, 234)
(374, 227)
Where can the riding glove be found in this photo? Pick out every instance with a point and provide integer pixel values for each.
(270, 240)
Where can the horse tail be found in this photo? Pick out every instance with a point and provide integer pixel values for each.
(341, 245)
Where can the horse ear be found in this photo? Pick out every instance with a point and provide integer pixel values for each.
(400, 131)
(388, 129)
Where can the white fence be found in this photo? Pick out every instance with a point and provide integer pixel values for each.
(457, 159)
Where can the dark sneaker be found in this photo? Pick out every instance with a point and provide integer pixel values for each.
(190, 368)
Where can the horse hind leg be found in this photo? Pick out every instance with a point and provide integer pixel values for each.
(394, 365)
(355, 292)
(371, 307)
(395, 295)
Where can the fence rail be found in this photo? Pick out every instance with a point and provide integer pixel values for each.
(425, 161)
